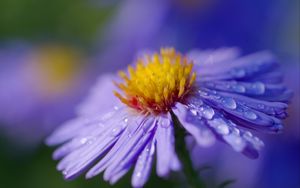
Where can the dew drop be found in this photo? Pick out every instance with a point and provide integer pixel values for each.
(248, 134)
(229, 103)
(259, 87)
(260, 106)
(139, 174)
(239, 88)
(208, 113)
(165, 123)
(222, 129)
(83, 140)
(235, 141)
(125, 120)
(203, 93)
(220, 126)
(235, 131)
(250, 115)
(116, 131)
(65, 173)
(194, 112)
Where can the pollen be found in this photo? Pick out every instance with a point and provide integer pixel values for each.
(157, 82)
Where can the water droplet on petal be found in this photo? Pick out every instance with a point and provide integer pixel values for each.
(235, 141)
(220, 126)
(229, 103)
(259, 87)
(116, 131)
(208, 113)
(65, 173)
(222, 129)
(165, 123)
(235, 131)
(125, 120)
(260, 106)
(83, 140)
(194, 112)
(139, 174)
(239, 88)
(247, 135)
(250, 115)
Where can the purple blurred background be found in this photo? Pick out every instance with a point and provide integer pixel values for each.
(51, 52)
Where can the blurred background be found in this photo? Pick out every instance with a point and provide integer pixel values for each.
(51, 53)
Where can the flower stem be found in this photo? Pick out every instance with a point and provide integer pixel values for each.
(191, 175)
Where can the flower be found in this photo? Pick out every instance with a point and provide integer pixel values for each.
(40, 86)
(215, 95)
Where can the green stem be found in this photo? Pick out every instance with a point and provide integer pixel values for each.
(191, 175)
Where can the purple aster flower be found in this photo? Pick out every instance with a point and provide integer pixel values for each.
(215, 95)
(40, 86)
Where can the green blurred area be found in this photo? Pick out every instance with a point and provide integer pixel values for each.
(38, 170)
(62, 20)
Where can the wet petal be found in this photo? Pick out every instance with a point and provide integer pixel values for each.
(241, 68)
(241, 113)
(166, 157)
(81, 158)
(193, 123)
(129, 152)
(143, 166)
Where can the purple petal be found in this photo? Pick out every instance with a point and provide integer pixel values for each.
(97, 101)
(219, 127)
(270, 92)
(240, 140)
(193, 124)
(240, 113)
(212, 58)
(99, 141)
(124, 139)
(240, 68)
(143, 166)
(121, 157)
(85, 124)
(166, 157)
(131, 150)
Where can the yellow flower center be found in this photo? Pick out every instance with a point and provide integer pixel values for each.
(157, 82)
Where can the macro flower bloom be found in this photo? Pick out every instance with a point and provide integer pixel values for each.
(215, 95)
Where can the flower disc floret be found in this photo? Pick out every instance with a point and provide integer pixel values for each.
(157, 82)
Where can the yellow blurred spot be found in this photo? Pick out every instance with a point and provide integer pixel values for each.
(56, 67)
(157, 82)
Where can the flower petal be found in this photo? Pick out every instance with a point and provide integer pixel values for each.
(241, 68)
(194, 125)
(129, 152)
(143, 166)
(96, 102)
(166, 156)
(219, 127)
(98, 141)
(240, 113)
(134, 136)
